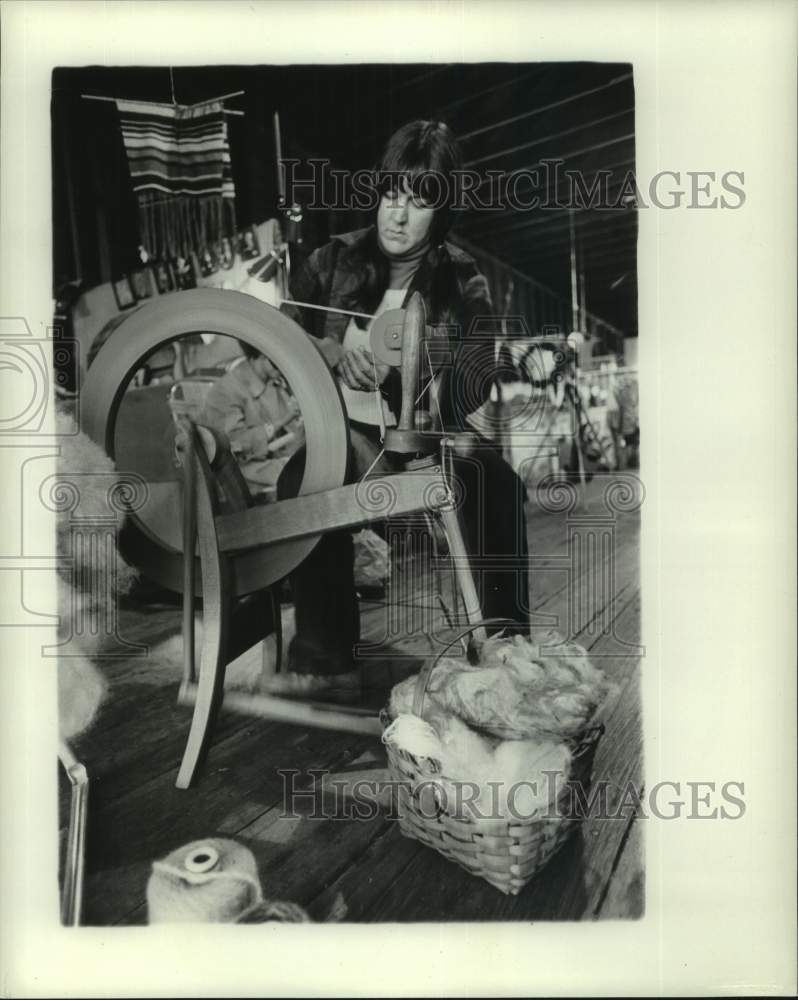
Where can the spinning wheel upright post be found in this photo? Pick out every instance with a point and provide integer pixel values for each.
(404, 439)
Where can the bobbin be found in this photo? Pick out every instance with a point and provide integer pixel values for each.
(202, 859)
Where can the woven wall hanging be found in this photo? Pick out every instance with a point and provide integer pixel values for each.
(180, 167)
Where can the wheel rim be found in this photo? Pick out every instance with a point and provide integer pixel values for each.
(146, 542)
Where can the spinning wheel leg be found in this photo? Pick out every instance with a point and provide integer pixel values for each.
(207, 694)
(274, 666)
(462, 566)
(206, 697)
(189, 465)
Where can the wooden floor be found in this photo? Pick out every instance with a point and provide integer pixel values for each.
(364, 868)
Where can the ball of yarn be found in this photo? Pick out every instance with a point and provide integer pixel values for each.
(206, 881)
(276, 912)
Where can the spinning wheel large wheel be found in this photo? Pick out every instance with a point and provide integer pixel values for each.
(152, 540)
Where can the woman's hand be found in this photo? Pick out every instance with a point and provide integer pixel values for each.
(358, 370)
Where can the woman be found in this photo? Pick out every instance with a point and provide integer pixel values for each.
(369, 271)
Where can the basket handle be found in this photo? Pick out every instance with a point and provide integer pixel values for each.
(424, 674)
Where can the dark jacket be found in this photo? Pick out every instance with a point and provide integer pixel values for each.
(458, 306)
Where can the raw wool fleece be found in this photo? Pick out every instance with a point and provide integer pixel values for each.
(249, 672)
(81, 686)
(547, 690)
(372, 559)
(509, 774)
(81, 691)
(499, 731)
(513, 778)
(80, 455)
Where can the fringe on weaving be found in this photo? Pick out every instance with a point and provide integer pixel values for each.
(174, 227)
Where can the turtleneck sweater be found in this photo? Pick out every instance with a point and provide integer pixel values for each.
(404, 266)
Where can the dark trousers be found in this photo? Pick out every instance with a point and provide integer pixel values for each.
(494, 528)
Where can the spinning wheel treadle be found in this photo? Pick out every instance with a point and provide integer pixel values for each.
(152, 539)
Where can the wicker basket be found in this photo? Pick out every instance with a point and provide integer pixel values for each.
(508, 853)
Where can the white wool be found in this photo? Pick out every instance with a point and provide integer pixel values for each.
(533, 773)
(414, 736)
(165, 659)
(509, 775)
(483, 779)
(403, 693)
(248, 672)
(465, 753)
(81, 686)
(372, 559)
(251, 671)
(80, 456)
(78, 452)
(76, 609)
(504, 724)
(518, 690)
(81, 690)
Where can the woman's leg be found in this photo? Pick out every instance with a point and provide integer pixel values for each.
(493, 518)
(327, 611)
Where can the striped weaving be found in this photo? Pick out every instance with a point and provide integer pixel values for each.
(179, 160)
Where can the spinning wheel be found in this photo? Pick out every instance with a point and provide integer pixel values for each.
(153, 540)
(252, 547)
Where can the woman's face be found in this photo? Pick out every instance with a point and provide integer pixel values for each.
(403, 221)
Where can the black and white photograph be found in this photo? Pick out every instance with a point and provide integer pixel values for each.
(224, 252)
(142, 284)
(248, 244)
(408, 563)
(123, 292)
(466, 632)
(163, 276)
(208, 262)
(184, 271)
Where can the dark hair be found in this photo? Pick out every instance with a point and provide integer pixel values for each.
(425, 155)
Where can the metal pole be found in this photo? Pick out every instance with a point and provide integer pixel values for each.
(278, 148)
(574, 293)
